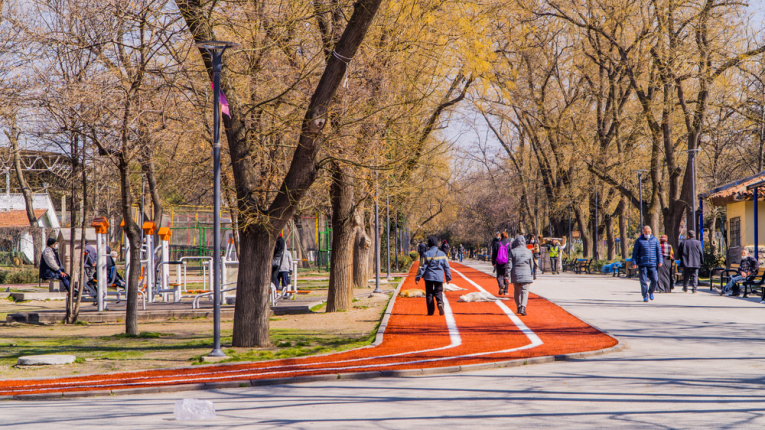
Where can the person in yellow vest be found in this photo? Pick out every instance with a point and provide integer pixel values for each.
(554, 251)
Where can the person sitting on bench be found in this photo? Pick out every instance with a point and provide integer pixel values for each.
(746, 268)
(50, 264)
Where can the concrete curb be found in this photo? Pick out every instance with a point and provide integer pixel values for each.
(405, 373)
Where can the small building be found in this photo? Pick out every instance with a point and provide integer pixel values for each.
(13, 216)
(739, 204)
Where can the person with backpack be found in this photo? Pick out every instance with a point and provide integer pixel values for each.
(520, 266)
(500, 255)
(435, 271)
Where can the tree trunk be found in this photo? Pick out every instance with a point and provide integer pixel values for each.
(362, 248)
(609, 222)
(253, 310)
(341, 193)
(37, 245)
(623, 229)
(583, 235)
(81, 265)
(133, 235)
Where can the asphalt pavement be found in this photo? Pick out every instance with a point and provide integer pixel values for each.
(691, 361)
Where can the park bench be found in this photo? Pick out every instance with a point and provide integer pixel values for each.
(724, 273)
(628, 269)
(754, 281)
(568, 265)
(583, 265)
(677, 274)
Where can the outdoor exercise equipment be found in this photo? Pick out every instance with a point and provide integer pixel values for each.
(101, 225)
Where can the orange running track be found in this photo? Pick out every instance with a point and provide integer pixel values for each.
(469, 333)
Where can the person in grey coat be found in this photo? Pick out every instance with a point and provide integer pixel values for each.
(691, 258)
(435, 271)
(521, 269)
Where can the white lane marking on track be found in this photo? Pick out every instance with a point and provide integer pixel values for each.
(455, 340)
(535, 341)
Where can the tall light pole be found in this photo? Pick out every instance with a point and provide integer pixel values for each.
(640, 187)
(377, 240)
(215, 49)
(387, 226)
(595, 227)
(692, 223)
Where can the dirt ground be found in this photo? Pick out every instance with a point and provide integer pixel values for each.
(103, 348)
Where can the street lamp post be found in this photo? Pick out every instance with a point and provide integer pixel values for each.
(387, 227)
(216, 49)
(692, 154)
(640, 187)
(377, 240)
(595, 227)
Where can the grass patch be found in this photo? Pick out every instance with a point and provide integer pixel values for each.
(318, 307)
(141, 335)
(361, 307)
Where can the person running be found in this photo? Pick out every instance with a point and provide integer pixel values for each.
(746, 268)
(500, 256)
(50, 264)
(435, 271)
(665, 272)
(554, 251)
(421, 249)
(520, 267)
(646, 254)
(691, 257)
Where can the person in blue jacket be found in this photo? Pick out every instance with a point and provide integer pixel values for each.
(434, 271)
(646, 253)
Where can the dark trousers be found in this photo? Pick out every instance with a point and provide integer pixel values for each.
(554, 264)
(284, 277)
(690, 274)
(433, 290)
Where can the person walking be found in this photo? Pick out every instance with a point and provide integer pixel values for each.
(435, 271)
(280, 255)
(421, 249)
(691, 258)
(646, 254)
(536, 251)
(445, 248)
(665, 272)
(554, 251)
(500, 256)
(461, 252)
(497, 237)
(91, 259)
(50, 264)
(520, 266)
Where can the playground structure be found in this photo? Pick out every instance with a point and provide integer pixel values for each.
(156, 269)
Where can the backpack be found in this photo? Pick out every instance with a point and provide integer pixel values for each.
(502, 256)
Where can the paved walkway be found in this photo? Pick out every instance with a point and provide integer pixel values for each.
(692, 361)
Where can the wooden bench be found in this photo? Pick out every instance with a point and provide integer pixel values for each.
(583, 265)
(754, 281)
(568, 265)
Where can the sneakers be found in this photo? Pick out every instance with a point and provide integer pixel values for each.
(440, 309)
(685, 290)
(645, 299)
(651, 296)
(694, 291)
(521, 310)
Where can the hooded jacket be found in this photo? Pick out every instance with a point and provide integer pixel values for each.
(436, 267)
(521, 262)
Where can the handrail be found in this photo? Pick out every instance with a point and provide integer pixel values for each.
(195, 302)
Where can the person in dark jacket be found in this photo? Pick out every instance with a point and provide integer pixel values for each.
(521, 269)
(746, 268)
(461, 252)
(422, 249)
(91, 259)
(646, 254)
(50, 264)
(445, 248)
(666, 277)
(691, 257)
(497, 238)
(435, 271)
(501, 269)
